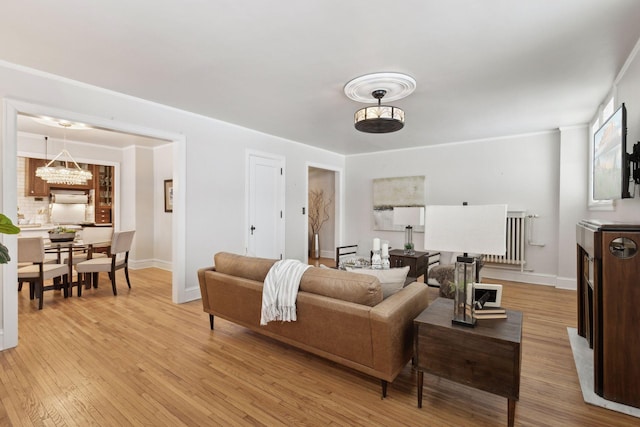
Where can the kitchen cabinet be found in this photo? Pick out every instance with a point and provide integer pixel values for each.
(37, 187)
(34, 186)
(103, 216)
(101, 183)
(104, 186)
(104, 193)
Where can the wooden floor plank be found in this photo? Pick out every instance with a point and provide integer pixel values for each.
(138, 359)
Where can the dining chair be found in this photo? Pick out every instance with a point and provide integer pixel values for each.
(35, 269)
(344, 252)
(119, 259)
(49, 258)
(92, 237)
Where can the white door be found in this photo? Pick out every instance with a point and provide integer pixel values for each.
(266, 207)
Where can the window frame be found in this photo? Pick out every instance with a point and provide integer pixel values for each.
(608, 106)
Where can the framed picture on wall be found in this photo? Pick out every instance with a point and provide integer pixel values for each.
(406, 191)
(168, 195)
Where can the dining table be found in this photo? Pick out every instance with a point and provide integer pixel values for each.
(69, 248)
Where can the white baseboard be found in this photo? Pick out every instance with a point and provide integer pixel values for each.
(192, 294)
(327, 254)
(163, 265)
(518, 276)
(150, 263)
(137, 264)
(567, 283)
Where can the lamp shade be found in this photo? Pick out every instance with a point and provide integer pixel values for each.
(379, 119)
(408, 215)
(480, 229)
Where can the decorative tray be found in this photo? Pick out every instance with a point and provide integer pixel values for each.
(62, 237)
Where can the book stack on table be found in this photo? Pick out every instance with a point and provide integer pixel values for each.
(490, 313)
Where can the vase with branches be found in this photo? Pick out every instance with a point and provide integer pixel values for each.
(319, 204)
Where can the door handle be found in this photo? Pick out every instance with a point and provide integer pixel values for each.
(252, 228)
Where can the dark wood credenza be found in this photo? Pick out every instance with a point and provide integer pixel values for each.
(608, 273)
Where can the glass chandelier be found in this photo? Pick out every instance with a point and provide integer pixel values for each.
(69, 174)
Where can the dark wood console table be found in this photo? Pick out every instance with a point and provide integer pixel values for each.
(418, 263)
(608, 276)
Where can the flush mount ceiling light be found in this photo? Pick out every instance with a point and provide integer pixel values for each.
(51, 121)
(379, 119)
(69, 174)
(372, 88)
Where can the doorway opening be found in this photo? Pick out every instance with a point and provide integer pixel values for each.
(9, 152)
(324, 213)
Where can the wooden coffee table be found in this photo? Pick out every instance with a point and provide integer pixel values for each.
(486, 357)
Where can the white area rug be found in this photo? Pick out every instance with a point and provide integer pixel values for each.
(583, 357)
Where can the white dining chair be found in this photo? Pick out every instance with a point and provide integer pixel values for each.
(35, 270)
(92, 237)
(119, 259)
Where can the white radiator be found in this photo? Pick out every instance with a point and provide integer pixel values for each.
(515, 242)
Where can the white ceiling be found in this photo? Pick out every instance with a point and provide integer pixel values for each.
(484, 68)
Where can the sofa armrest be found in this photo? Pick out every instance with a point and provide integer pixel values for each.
(392, 328)
(203, 287)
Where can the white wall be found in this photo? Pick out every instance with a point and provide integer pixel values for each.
(521, 171)
(162, 169)
(216, 190)
(143, 251)
(572, 199)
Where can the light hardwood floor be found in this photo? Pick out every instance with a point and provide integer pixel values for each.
(139, 359)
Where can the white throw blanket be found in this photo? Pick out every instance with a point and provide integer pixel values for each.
(281, 290)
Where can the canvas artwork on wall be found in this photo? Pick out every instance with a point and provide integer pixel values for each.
(408, 191)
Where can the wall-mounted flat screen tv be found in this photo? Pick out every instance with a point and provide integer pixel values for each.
(610, 164)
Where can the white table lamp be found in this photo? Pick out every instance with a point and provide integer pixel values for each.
(465, 229)
(408, 216)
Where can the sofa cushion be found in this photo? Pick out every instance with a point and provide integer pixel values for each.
(343, 285)
(391, 280)
(242, 266)
(329, 282)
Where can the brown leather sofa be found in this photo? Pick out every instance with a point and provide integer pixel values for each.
(341, 316)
